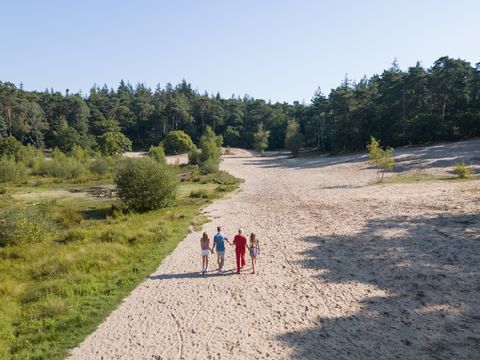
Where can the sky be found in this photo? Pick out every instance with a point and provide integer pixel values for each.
(275, 50)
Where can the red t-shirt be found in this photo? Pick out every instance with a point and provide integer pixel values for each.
(240, 243)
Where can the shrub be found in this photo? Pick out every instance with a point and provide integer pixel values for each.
(10, 147)
(293, 138)
(143, 184)
(199, 194)
(177, 142)
(69, 216)
(19, 226)
(62, 166)
(111, 236)
(382, 159)
(157, 153)
(100, 166)
(209, 167)
(11, 170)
(74, 235)
(462, 170)
(194, 156)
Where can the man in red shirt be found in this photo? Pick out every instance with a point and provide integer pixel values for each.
(240, 242)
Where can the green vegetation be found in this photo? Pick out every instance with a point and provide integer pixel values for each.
(177, 142)
(382, 159)
(143, 184)
(67, 260)
(293, 138)
(260, 139)
(112, 141)
(463, 171)
(401, 107)
(157, 153)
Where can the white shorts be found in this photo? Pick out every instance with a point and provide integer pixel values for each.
(221, 254)
(205, 252)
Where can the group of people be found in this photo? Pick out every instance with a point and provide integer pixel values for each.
(241, 245)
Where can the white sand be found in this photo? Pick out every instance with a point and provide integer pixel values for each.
(348, 271)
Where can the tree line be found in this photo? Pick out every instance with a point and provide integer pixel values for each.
(399, 107)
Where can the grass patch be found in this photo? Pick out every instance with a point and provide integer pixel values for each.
(54, 292)
(417, 176)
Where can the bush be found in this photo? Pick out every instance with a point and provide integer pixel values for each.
(11, 147)
(69, 217)
(143, 184)
(194, 156)
(157, 153)
(100, 166)
(199, 194)
(62, 166)
(209, 167)
(177, 142)
(382, 159)
(11, 170)
(462, 170)
(19, 226)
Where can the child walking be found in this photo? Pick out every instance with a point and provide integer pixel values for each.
(206, 249)
(254, 248)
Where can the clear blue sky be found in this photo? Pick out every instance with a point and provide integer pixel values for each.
(278, 50)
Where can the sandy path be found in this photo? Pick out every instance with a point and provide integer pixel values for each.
(348, 271)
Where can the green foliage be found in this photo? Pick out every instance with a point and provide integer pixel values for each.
(177, 142)
(11, 170)
(100, 166)
(210, 151)
(10, 147)
(260, 139)
(113, 142)
(157, 153)
(200, 194)
(463, 171)
(143, 184)
(209, 166)
(194, 156)
(63, 167)
(382, 159)
(293, 138)
(20, 226)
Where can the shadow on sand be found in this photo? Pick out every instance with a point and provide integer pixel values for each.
(191, 275)
(407, 158)
(429, 267)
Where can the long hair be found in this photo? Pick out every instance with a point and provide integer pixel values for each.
(253, 238)
(205, 237)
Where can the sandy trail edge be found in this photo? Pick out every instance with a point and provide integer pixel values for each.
(348, 271)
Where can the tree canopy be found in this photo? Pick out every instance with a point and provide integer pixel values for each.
(400, 107)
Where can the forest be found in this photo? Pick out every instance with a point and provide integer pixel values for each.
(419, 105)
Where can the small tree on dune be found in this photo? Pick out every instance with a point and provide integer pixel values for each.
(382, 159)
(293, 138)
(260, 139)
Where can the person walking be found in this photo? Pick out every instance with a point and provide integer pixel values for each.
(240, 242)
(205, 247)
(219, 246)
(254, 248)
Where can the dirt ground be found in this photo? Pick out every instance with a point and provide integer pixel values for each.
(348, 270)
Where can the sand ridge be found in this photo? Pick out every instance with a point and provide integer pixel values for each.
(347, 270)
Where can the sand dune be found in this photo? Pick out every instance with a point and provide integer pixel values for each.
(348, 270)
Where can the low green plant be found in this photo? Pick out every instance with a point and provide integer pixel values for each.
(463, 171)
(100, 166)
(18, 225)
(199, 194)
(12, 171)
